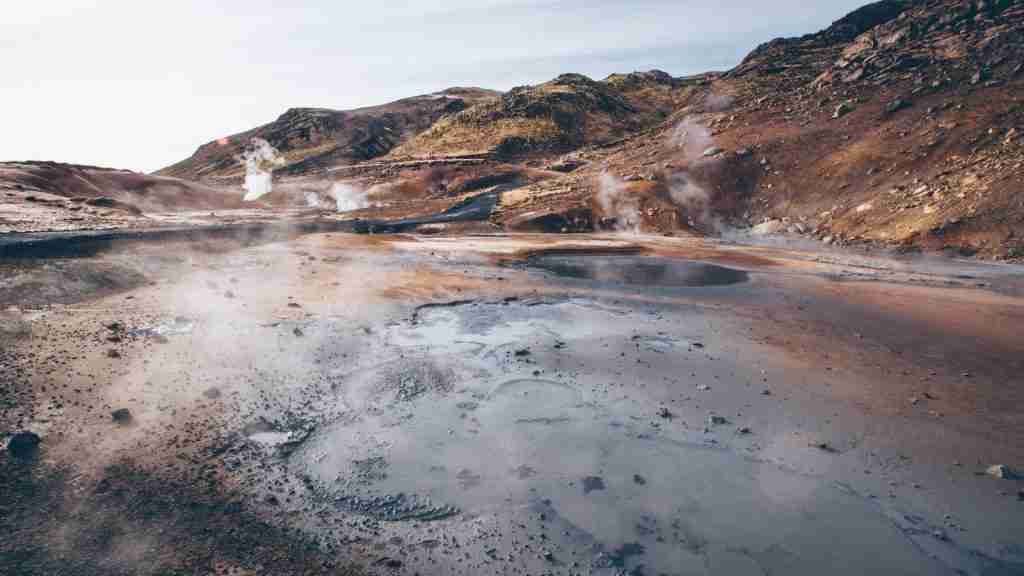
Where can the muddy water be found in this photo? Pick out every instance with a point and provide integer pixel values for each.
(426, 411)
(647, 271)
(520, 425)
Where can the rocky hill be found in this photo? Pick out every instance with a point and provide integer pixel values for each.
(38, 196)
(315, 138)
(900, 125)
(561, 115)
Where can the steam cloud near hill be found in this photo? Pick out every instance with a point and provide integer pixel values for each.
(259, 159)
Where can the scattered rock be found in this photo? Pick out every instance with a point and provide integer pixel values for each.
(298, 332)
(703, 388)
(824, 446)
(522, 353)
(743, 430)
(24, 444)
(713, 151)
(112, 353)
(122, 416)
(639, 480)
(841, 110)
(664, 412)
(212, 393)
(715, 419)
(743, 153)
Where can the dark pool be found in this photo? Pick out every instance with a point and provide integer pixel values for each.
(639, 270)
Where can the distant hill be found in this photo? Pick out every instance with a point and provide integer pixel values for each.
(312, 138)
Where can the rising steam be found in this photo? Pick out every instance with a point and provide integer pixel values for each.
(348, 197)
(260, 159)
(694, 142)
(616, 203)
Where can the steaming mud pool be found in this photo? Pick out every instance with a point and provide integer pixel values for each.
(515, 405)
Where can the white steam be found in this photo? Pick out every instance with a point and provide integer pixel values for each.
(615, 202)
(697, 147)
(260, 159)
(348, 197)
(692, 138)
(693, 199)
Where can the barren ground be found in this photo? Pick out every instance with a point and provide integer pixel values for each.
(510, 404)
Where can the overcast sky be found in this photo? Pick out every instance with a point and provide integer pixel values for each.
(140, 84)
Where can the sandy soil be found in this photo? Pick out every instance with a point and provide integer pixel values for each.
(510, 404)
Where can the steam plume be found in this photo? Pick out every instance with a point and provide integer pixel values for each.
(259, 158)
(348, 197)
(615, 202)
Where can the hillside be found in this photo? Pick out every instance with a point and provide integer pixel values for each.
(561, 115)
(55, 196)
(312, 138)
(900, 124)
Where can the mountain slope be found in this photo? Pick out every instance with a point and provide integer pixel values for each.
(311, 138)
(563, 114)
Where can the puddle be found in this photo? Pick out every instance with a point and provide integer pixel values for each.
(486, 438)
(641, 270)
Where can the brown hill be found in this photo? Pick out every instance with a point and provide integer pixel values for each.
(900, 124)
(557, 116)
(313, 138)
(54, 196)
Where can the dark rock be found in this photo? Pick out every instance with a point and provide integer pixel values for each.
(522, 353)
(108, 202)
(897, 105)
(122, 416)
(113, 353)
(841, 110)
(592, 484)
(212, 393)
(639, 480)
(24, 444)
(298, 332)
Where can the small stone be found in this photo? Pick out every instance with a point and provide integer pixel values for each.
(113, 353)
(841, 110)
(639, 480)
(715, 419)
(212, 393)
(766, 392)
(298, 332)
(664, 412)
(743, 430)
(713, 151)
(122, 416)
(896, 105)
(522, 353)
(24, 444)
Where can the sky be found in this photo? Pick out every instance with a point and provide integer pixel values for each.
(140, 84)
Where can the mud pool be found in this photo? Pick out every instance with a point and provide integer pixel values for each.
(425, 406)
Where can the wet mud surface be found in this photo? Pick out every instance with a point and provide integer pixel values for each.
(408, 406)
